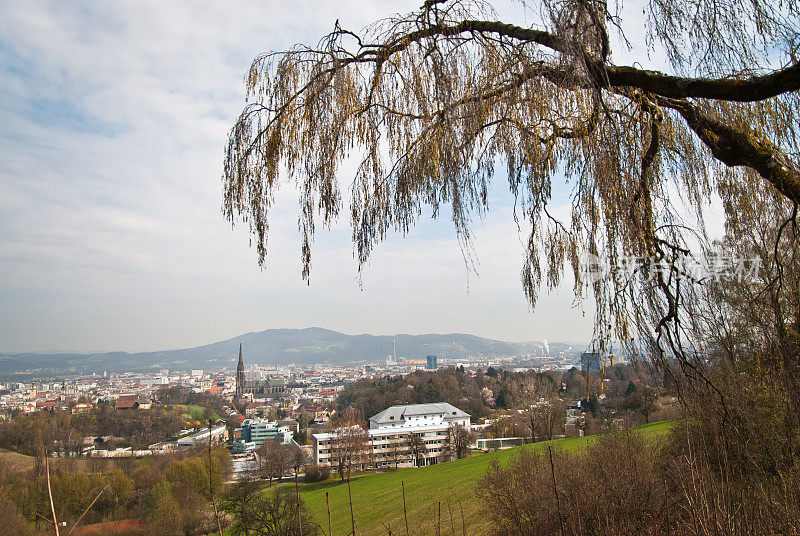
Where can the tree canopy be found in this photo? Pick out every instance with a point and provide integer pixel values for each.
(433, 102)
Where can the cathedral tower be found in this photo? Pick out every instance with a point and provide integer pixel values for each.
(240, 375)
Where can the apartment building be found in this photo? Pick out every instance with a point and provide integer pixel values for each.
(254, 432)
(390, 433)
(219, 434)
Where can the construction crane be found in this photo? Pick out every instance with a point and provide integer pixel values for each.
(588, 359)
(610, 359)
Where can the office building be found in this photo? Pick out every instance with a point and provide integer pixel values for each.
(254, 432)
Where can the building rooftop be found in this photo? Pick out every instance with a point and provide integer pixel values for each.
(399, 413)
(130, 401)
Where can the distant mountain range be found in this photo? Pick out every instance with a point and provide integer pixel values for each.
(276, 347)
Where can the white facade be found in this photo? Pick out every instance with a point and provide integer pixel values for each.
(218, 435)
(390, 429)
(439, 415)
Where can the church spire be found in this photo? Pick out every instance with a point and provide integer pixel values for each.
(240, 375)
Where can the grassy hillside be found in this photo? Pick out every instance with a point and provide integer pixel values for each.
(23, 462)
(378, 500)
(195, 412)
(16, 462)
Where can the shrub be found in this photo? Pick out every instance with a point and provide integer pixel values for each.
(267, 514)
(14, 524)
(317, 473)
(730, 468)
(612, 487)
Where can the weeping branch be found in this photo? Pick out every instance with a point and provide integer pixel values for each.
(433, 101)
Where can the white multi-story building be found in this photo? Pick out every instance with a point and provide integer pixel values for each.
(218, 434)
(391, 429)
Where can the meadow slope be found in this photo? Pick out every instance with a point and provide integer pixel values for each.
(378, 498)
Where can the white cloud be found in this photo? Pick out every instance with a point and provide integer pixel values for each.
(114, 120)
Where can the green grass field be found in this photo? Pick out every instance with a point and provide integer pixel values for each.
(378, 500)
(195, 412)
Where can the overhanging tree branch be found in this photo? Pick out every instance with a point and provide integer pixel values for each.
(433, 101)
(731, 88)
(736, 148)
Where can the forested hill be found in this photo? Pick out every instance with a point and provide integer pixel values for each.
(277, 346)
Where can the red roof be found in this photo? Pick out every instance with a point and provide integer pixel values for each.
(127, 401)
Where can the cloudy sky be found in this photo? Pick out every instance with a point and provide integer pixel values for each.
(113, 118)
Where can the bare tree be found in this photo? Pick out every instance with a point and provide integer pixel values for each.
(535, 398)
(296, 457)
(268, 514)
(552, 418)
(274, 459)
(243, 501)
(398, 451)
(644, 401)
(458, 442)
(350, 450)
(417, 448)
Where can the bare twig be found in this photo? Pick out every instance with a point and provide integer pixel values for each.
(352, 516)
(50, 521)
(328, 504)
(461, 507)
(405, 512)
(439, 521)
(666, 506)
(555, 488)
(452, 524)
(210, 482)
(87, 509)
(50, 492)
(297, 492)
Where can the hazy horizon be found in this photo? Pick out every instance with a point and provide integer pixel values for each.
(351, 333)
